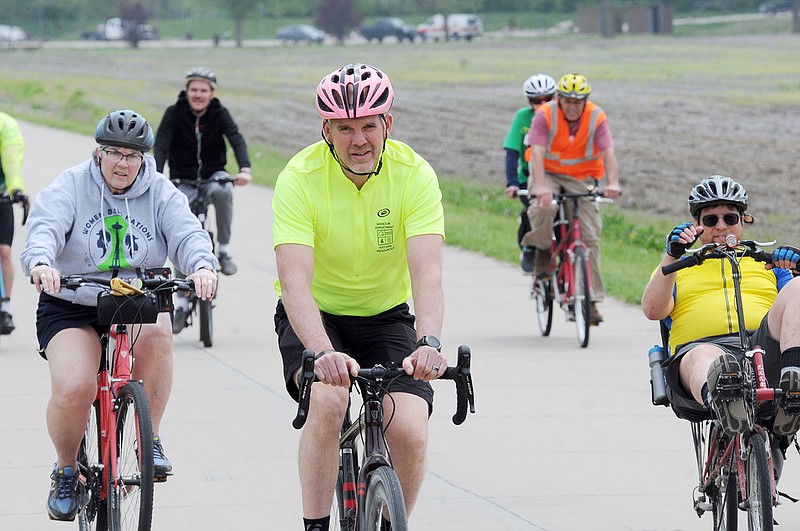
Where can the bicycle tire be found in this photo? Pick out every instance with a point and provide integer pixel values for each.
(130, 494)
(343, 509)
(93, 515)
(543, 296)
(759, 490)
(384, 498)
(726, 494)
(580, 296)
(206, 323)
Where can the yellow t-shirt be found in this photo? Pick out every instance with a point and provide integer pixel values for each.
(358, 236)
(705, 301)
(12, 147)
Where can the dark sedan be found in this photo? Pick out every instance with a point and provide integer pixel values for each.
(388, 27)
(301, 33)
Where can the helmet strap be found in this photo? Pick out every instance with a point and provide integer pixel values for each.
(345, 167)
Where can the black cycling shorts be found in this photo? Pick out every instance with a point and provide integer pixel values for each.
(388, 336)
(683, 403)
(6, 224)
(54, 315)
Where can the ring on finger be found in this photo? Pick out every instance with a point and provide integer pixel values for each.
(435, 368)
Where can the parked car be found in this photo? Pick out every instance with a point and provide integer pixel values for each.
(389, 27)
(770, 8)
(459, 26)
(301, 33)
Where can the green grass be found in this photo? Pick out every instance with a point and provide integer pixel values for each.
(71, 89)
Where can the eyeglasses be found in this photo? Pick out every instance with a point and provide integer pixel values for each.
(131, 158)
(540, 99)
(711, 220)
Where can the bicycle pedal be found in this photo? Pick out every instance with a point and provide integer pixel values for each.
(729, 387)
(160, 479)
(791, 404)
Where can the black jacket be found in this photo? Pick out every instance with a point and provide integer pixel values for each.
(176, 140)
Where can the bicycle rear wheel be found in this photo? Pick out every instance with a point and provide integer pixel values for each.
(543, 296)
(726, 499)
(93, 515)
(343, 511)
(384, 501)
(130, 494)
(580, 291)
(759, 490)
(206, 323)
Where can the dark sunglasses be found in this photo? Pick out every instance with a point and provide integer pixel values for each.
(540, 99)
(711, 220)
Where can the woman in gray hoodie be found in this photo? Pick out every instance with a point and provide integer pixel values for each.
(113, 212)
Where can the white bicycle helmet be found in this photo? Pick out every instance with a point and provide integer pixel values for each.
(201, 73)
(717, 190)
(539, 85)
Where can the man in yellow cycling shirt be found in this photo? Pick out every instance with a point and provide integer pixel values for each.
(697, 305)
(12, 148)
(358, 229)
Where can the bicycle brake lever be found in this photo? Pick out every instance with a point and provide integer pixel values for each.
(306, 379)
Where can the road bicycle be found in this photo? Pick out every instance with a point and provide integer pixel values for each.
(368, 490)
(6, 199)
(736, 473)
(568, 282)
(115, 459)
(199, 204)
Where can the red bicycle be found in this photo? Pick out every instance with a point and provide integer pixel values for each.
(569, 279)
(115, 459)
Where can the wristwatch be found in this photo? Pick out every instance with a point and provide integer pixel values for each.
(430, 341)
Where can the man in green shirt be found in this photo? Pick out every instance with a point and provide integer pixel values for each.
(539, 89)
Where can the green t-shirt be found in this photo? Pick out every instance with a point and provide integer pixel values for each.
(358, 236)
(515, 140)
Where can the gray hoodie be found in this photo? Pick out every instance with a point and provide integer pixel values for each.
(78, 227)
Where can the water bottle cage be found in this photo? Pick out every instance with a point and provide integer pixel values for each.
(729, 387)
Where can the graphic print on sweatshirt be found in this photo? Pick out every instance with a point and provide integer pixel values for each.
(116, 243)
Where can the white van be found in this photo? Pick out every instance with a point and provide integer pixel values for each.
(460, 26)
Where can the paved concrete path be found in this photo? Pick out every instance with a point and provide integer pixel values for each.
(564, 439)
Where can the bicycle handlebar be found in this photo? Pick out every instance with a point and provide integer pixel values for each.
(199, 183)
(596, 195)
(460, 374)
(20, 198)
(730, 248)
(74, 282)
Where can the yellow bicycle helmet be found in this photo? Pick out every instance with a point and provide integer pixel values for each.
(574, 86)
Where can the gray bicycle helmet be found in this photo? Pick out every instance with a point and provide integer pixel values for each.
(201, 73)
(717, 190)
(539, 85)
(126, 129)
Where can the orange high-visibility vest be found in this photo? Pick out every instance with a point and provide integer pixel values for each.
(578, 158)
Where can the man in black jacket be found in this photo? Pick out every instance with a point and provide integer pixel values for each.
(191, 137)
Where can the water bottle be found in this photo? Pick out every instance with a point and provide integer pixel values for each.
(658, 382)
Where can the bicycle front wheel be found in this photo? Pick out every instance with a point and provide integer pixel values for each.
(759, 490)
(130, 493)
(543, 296)
(93, 515)
(580, 296)
(384, 501)
(206, 323)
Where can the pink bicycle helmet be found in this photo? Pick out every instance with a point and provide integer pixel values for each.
(354, 91)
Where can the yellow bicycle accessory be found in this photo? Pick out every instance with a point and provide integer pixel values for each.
(121, 288)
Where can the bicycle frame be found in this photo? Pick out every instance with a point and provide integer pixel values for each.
(110, 379)
(563, 249)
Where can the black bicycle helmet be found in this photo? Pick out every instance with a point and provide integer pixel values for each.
(201, 73)
(717, 190)
(126, 129)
